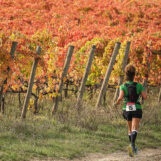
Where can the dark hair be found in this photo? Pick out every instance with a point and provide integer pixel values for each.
(130, 72)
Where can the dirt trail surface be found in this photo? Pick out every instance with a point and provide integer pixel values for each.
(143, 155)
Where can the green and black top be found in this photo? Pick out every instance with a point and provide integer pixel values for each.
(139, 89)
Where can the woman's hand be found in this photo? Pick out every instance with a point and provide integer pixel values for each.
(119, 99)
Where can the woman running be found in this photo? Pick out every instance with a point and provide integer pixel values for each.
(132, 110)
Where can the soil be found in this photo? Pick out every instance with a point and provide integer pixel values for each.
(143, 155)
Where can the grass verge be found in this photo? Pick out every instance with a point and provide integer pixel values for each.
(71, 135)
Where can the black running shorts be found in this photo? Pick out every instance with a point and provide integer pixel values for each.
(128, 115)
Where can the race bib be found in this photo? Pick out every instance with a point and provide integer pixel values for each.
(130, 106)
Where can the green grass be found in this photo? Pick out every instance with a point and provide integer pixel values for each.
(71, 135)
(43, 138)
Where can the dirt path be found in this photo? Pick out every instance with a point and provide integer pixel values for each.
(143, 155)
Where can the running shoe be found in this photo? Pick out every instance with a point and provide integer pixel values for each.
(136, 151)
(130, 150)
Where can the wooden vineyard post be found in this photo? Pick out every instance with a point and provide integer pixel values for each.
(124, 63)
(83, 83)
(3, 103)
(146, 80)
(19, 98)
(159, 96)
(1, 95)
(104, 99)
(147, 76)
(66, 89)
(12, 51)
(31, 82)
(65, 70)
(108, 72)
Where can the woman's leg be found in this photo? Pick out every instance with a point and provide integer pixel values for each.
(129, 123)
(135, 126)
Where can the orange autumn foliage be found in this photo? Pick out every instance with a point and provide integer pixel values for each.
(54, 24)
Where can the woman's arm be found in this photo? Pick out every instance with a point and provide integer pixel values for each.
(121, 96)
(143, 94)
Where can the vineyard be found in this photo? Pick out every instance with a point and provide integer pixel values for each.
(61, 65)
(37, 36)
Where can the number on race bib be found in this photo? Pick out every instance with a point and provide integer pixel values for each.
(130, 106)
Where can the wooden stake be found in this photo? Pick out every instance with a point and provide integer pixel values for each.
(159, 96)
(65, 70)
(124, 63)
(108, 73)
(13, 48)
(12, 51)
(31, 82)
(83, 83)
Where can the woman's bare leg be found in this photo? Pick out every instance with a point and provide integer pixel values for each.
(135, 124)
(129, 123)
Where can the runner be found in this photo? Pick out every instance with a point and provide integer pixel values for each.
(132, 110)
